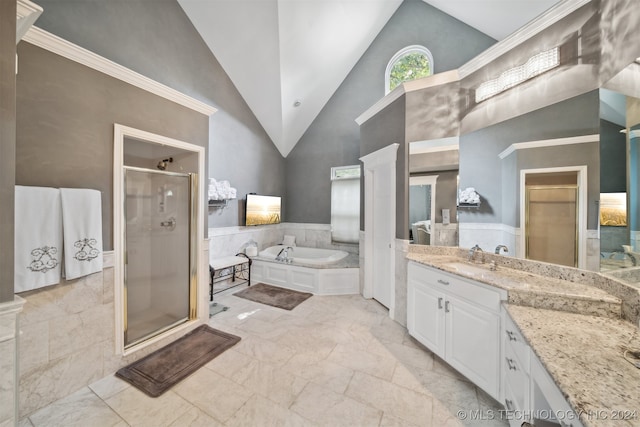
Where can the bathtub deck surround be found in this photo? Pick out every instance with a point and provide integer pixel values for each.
(335, 273)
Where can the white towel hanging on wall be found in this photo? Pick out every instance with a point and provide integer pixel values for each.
(82, 225)
(38, 237)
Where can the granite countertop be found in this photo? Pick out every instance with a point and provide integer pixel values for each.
(576, 332)
(526, 288)
(584, 355)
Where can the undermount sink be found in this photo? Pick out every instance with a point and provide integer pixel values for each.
(472, 270)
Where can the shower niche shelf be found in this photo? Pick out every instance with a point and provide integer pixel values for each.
(228, 272)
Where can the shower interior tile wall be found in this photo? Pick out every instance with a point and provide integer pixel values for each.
(228, 241)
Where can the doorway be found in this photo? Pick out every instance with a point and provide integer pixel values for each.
(158, 210)
(160, 270)
(553, 212)
(422, 209)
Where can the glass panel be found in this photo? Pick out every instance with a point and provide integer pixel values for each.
(345, 210)
(157, 252)
(552, 225)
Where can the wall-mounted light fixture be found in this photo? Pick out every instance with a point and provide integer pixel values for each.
(536, 65)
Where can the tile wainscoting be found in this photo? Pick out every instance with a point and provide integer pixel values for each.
(225, 241)
(67, 338)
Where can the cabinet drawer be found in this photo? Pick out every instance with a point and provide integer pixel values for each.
(516, 377)
(515, 341)
(474, 292)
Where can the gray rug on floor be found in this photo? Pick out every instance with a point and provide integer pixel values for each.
(273, 296)
(159, 371)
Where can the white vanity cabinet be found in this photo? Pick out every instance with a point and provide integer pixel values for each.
(459, 320)
(530, 394)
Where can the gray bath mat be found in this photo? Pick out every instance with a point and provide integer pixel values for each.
(159, 371)
(273, 296)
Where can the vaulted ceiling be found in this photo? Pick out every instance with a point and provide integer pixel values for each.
(287, 57)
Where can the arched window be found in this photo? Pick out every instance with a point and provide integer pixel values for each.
(409, 63)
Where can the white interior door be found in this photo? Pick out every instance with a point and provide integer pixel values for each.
(383, 227)
(379, 226)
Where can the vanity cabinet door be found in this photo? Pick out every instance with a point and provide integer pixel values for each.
(425, 316)
(473, 343)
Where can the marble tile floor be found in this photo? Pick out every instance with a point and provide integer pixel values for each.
(335, 361)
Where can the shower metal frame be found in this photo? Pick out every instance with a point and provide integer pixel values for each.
(582, 208)
(193, 258)
(198, 303)
(527, 228)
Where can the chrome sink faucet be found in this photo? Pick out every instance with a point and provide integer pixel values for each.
(500, 247)
(472, 253)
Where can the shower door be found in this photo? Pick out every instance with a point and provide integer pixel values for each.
(551, 227)
(158, 270)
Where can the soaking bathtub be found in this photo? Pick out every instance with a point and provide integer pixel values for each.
(319, 271)
(302, 255)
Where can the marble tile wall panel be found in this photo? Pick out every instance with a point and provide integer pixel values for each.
(400, 310)
(7, 380)
(229, 241)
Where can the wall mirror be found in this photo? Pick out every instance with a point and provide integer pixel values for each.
(604, 136)
(433, 183)
(619, 185)
(596, 136)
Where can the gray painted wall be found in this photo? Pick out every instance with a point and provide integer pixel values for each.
(333, 138)
(7, 144)
(156, 39)
(481, 168)
(65, 118)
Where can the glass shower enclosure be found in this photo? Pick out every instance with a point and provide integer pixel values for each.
(159, 265)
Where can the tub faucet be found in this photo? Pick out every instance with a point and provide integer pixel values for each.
(472, 252)
(499, 247)
(284, 258)
(279, 257)
(286, 253)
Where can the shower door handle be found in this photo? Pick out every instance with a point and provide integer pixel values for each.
(170, 223)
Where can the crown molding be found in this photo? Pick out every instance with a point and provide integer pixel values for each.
(548, 18)
(549, 143)
(59, 46)
(27, 12)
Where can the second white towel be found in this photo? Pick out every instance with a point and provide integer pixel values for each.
(82, 225)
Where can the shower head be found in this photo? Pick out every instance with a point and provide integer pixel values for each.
(162, 164)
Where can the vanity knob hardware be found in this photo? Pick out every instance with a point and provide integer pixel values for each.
(508, 403)
(440, 303)
(443, 282)
(446, 306)
(511, 364)
(511, 335)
